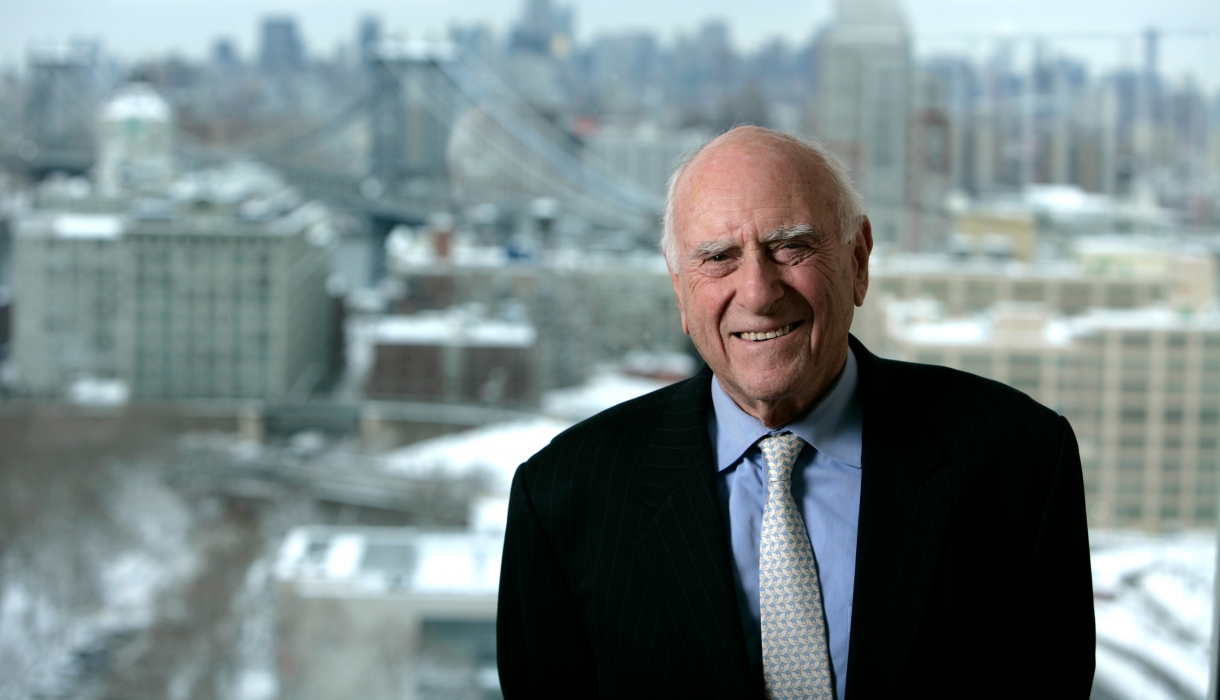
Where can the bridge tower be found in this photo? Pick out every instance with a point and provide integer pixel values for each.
(59, 115)
(411, 112)
(413, 108)
(387, 115)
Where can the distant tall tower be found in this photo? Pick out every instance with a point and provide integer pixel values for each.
(367, 37)
(543, 29)
(409, 136)
(864, 104)
(224, 53)
(1151, 42)
(533, 33)
(282, 50)
(1147, 116)
(60, 110)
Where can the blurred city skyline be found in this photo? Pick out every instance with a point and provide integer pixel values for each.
(1103, 34)
(283, 305)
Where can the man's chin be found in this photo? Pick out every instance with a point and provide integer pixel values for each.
(769, 389)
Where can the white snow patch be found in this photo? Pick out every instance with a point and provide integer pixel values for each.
(92, 391)
(603, 391)
(495, 451)
(1154, 612)
(87, 226)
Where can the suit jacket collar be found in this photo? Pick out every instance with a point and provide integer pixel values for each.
(685, 545)
(903, 513)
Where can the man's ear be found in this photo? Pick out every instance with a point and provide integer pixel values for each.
(861, 249)
(673, 278)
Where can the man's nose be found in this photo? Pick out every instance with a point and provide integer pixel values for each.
(760, 284)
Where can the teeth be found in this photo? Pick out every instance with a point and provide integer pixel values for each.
(769, 334)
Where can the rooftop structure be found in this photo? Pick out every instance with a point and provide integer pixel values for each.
(349, 598)
(453, 356)
(134, 142)
(588, 308)
(454, 328)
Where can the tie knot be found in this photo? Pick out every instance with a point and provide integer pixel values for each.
(780, 453)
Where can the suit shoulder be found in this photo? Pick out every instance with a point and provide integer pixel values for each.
(947, 391)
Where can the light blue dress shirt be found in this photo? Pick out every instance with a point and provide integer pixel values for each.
(826, 486)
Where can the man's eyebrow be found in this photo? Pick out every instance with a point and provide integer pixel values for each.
(708, 249)
(787, 233)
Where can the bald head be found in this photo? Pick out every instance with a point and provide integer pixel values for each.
(819, 171)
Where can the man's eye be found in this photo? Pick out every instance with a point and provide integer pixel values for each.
(790, 251)
(718, 257)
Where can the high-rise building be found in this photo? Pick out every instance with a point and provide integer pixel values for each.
(959, 81)
(60, 112)
(1107, 274)
(622, 72)
(224, 53)
(176, 303)
(543, 30)
(864, 105)
(224, 307)
(66, 270)
(367, 37)
(926, 225)
(1140, 387)
(281, 50)
(539, 46)
(703, 69)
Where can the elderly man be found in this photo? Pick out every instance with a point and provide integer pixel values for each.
(801, 519)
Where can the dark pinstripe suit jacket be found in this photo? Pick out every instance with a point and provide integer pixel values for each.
(972, 567)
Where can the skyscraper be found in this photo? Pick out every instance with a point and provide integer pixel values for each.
(542, 29)
(367, 37)
(281, 49)
(224, 53)
(864, 104)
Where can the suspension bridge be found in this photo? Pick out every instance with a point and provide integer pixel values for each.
(440, 131)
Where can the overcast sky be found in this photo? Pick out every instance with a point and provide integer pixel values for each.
(138, 28)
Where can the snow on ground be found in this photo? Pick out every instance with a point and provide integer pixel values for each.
(497, 450)
(599, 393)
(1153, 600)
(493, 451)
(70, 595)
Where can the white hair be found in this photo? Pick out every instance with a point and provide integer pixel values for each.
(847, 205)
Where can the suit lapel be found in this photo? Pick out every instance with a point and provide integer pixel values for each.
(902, 522)
(685, 542)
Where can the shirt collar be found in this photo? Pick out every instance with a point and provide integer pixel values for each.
(833, 426)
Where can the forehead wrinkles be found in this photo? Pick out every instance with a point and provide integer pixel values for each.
(736, 194)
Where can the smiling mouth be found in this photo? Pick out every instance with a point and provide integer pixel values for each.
(768, 335)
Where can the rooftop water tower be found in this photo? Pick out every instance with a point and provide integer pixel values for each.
(135, 141)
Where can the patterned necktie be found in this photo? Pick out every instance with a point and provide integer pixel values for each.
(795, 643)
